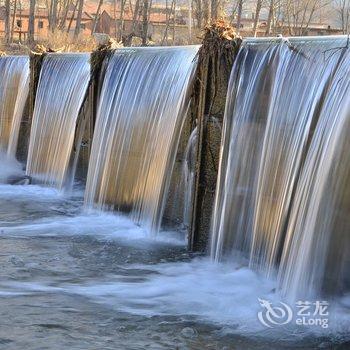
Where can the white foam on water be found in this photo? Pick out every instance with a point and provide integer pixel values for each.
(213, 292)
(9, 167)
(223, 294)
(30, 192)
(92, 223)
(200, 290)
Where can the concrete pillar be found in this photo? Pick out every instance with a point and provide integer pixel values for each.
(88, 112)
(216, 57)
(35, 62)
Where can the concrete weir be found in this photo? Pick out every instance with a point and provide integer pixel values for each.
(87, 114)
(205, 113)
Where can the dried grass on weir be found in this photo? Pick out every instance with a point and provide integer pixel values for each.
(102, 53)
(219, 38)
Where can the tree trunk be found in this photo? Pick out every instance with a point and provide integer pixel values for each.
(233, 14)
(127, 40)
(189, 21)
(174, 22)
(93, 30)
(31, 21)
(215, 4)
(14, 20)
(20, 18)
(62, 24)
(115, 17)
(72, 17)
(270, 18)
(53, 23)
(257, 15)
(121, 20)
(206, 11)
(135, 16)
(7, 21)
(167, 19)
(239, 15)
(145, 22)
(79, 16)
(199, 13)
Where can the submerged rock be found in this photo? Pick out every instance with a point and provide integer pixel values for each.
(19, 180)
(189, 332)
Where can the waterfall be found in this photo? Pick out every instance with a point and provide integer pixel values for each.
(14, 85)
(188, 176)
(283, 166)
(63, 82)
(317, 248)
(141, 112)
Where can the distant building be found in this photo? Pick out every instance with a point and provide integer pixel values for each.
(161, 26)
(313, 29)
(41, 24)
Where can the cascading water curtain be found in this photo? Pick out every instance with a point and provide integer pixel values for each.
(63, 82)
(188, 176)
(283, 188)
(140, 116)
(14, 86)
(317, 248)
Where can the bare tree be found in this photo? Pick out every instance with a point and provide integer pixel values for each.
(189, 18)
(121, 20)
(202, 11)
(168, 20)
(79, 17)
(174, 23)
(270, 18)
(7, 20)
(197, 10)
(257, 16)
(115, 17)
(135, 27)
(64, 13)
(215, 9)
(53, 14)
(31, 25)
(206, 8)
(342, 8)
(145, 13)
(300, 14)
(72, 16)
(233, 16)
(97, 17)
(136, 16)
(239, 15)
(14, 19)
(20, 18)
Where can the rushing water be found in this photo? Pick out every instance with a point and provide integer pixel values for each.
(61, 90)
(82, 278)
(188, 175)
(87, 280)
(317, 248)
(140, 116)
(14, 84)
(284, 168)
